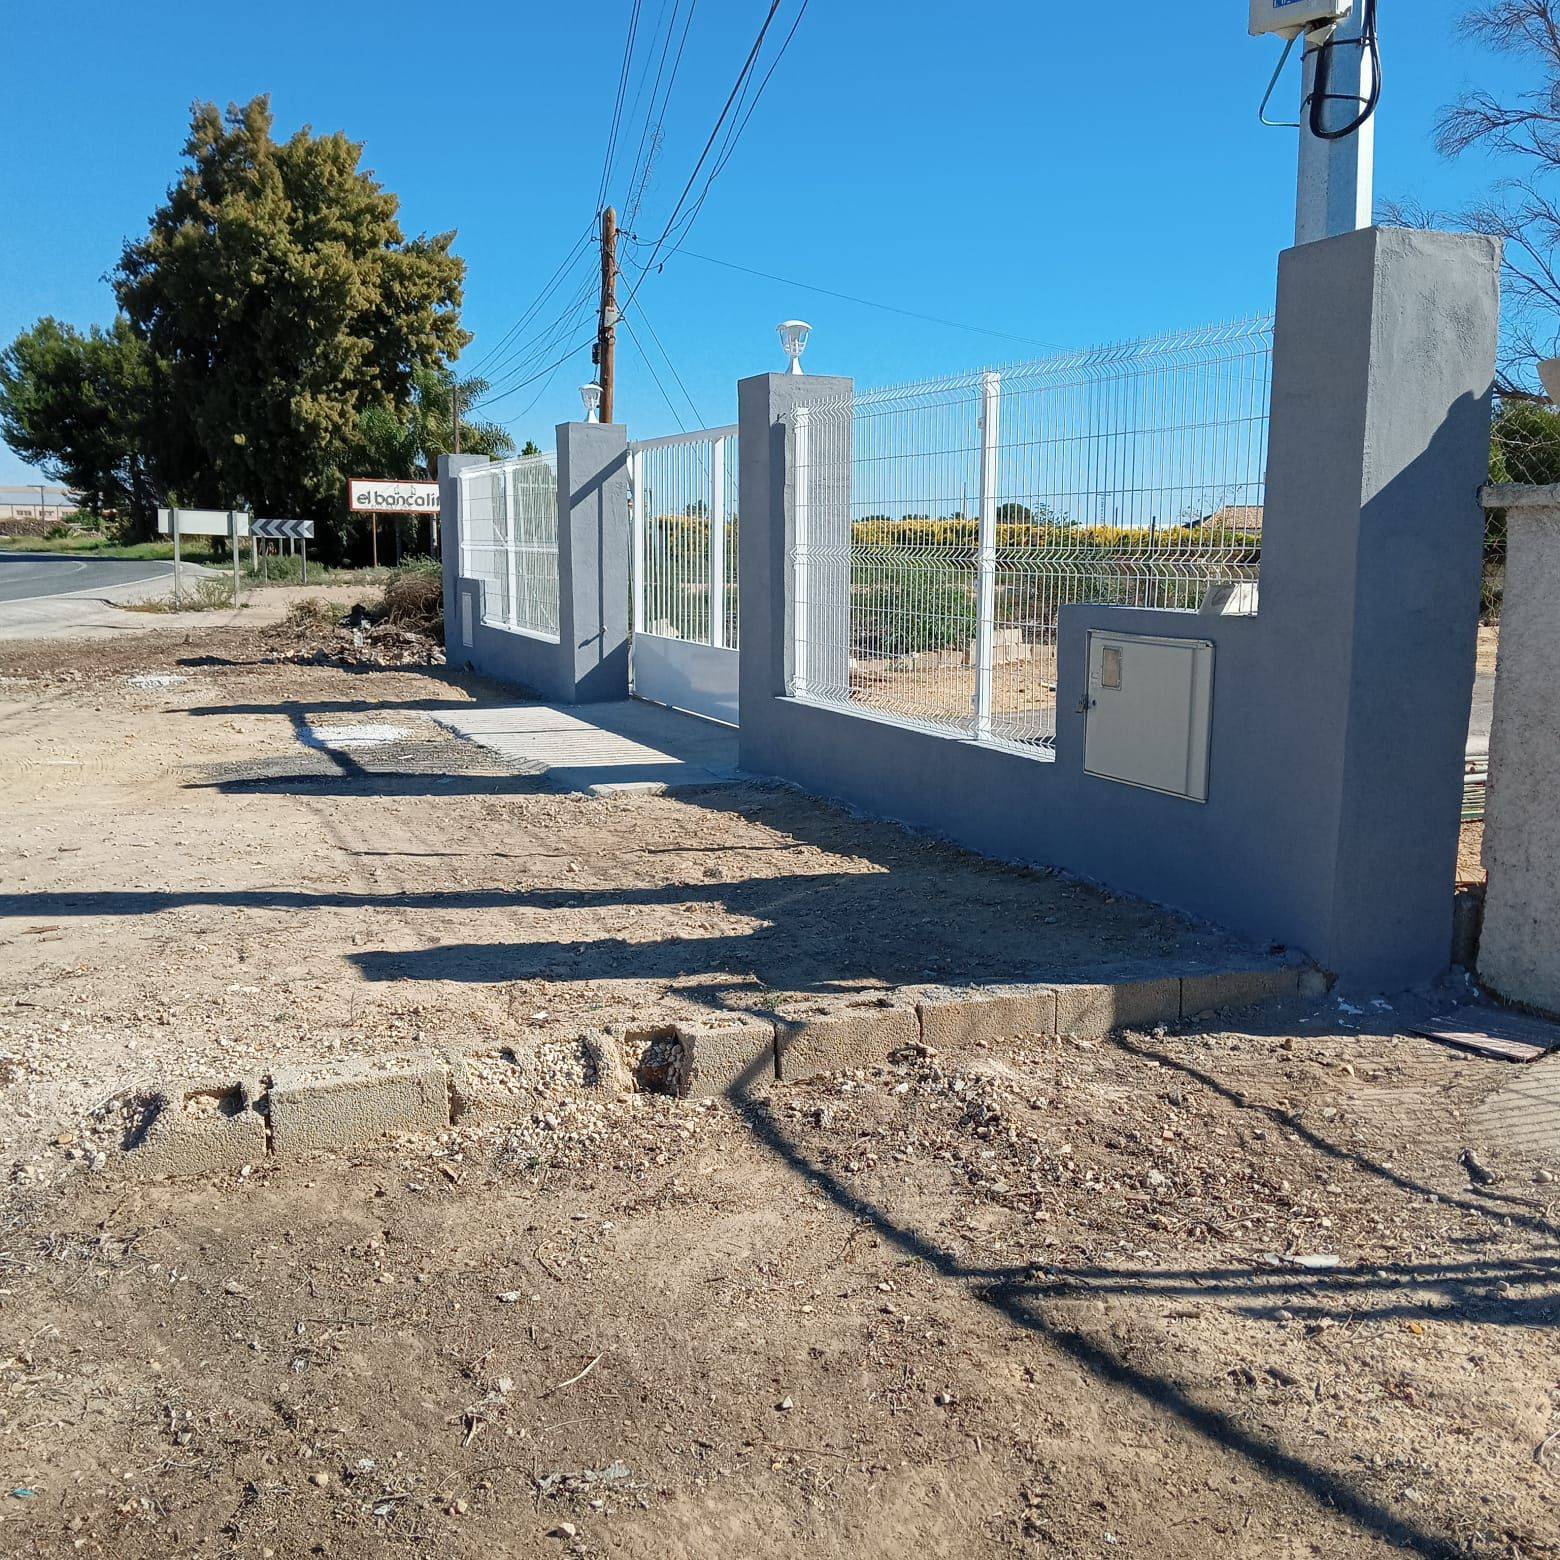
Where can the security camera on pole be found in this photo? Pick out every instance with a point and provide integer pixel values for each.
(1341, 76)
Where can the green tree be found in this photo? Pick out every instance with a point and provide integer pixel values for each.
(280, 301)
(75, 406)
(409, 444)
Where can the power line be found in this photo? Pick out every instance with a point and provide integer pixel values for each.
(676, 415)
(565, 324)
(870, 303)
(649, 140)
(569, 260)
(734, 134)
(731, 97)
(617, 106)
(655, 336)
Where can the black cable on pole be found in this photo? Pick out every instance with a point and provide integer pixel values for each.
(1368, 43)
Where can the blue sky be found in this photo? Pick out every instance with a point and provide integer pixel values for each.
(1065, 174)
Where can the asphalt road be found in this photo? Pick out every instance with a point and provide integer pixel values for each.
(25, 576)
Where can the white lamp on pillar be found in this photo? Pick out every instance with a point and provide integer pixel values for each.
(591, 396)
(793, 339)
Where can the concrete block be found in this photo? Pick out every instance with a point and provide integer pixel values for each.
(1237, 988)
(354, 1104)
(848, 1037)
(956, 1021)
(731, 1058)
(1094, 1010)
(201, 1127)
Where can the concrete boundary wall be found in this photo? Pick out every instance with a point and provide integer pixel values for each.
(588, 662)
(1519, 947)
(1339, 713)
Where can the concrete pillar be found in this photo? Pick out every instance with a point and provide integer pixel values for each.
(1519, 952)
(593, 560)
(764, 541)
(449, 515)
(1383, 366)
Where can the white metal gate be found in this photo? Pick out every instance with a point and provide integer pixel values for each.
(686, 630)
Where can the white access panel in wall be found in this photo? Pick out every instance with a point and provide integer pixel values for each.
(1149, 712)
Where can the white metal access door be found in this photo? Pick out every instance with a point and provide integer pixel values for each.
(684, 571)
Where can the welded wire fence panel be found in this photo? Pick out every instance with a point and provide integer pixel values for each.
(937, 529)
(509, 541)
(685, 534)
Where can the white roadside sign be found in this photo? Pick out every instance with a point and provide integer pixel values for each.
(204, 522)
(392, 496)
(231, 523)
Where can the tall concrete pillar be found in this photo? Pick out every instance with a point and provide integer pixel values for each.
(1519, 951)
(593, 606)
(1383, 368)
(767, 484)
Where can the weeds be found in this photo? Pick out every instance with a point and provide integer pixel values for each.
(205, 595)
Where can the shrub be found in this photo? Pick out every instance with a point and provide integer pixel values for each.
(902, 608)
(414, 598)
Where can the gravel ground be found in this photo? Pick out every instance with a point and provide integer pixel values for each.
(1261, 1289)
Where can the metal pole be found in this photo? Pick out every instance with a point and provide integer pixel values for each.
(986, 553)
(233, 548)
(173, 524)
(303, 543)
(606, 330)
(802, 439)
(718, 544)
(373, 531)
(455, 414)
(1337, 178)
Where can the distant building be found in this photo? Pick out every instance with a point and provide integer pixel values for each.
(37, 501)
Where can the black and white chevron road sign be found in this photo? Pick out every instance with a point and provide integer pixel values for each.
(287, 530)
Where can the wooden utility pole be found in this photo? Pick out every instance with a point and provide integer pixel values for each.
(606, 330)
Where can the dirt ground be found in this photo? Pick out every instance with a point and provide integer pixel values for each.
(1205, 1292)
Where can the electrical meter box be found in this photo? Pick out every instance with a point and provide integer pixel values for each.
(1289, 17)
(1149, 712)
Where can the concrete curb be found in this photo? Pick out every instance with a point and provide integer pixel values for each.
(225, 1125)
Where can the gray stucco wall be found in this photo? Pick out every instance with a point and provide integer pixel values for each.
(588, 661)
(1339, 713)
(1519, 952)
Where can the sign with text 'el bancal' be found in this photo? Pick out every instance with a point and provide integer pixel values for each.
(392, 496)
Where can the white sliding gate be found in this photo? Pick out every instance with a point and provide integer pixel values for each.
(684, 572)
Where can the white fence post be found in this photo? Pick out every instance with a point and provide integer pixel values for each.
(986, 553)
(507, 510)
(636, 531)
(801, 431)
(717, 517)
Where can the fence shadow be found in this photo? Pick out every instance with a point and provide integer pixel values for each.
(1030, 1306)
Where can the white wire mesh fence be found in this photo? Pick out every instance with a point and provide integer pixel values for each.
(937, 529)
(509, 541)
(684, 527)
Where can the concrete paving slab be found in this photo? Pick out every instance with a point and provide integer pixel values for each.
(601, 749)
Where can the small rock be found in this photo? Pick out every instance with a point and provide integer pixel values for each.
(785, 1405)
(319, 1480)
(1478, 1172)
(1543, 1177)
(564, 1530)
(944, 1399)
